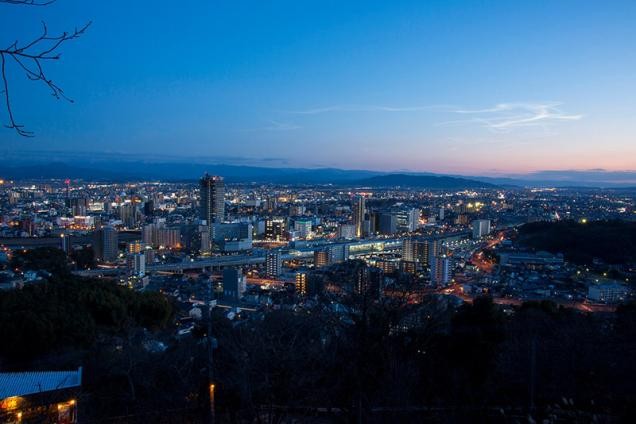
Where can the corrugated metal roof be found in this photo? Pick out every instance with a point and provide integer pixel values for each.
(28, 383)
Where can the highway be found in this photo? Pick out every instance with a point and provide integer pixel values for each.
(358, 247)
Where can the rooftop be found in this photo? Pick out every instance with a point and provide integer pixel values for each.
(28, 383)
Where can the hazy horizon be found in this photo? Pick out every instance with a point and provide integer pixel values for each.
(109, 161)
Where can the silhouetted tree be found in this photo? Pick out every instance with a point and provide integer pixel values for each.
(31, 57)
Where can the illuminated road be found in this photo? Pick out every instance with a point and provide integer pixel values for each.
(478, 258)
(584, 306)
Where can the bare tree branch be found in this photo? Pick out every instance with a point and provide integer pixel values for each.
(29, 2)
(30, 57)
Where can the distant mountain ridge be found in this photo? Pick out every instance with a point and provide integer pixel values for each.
(423, 181)
(237, 174)
(127, 169)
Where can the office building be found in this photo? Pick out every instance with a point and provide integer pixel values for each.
(212, 203)
(358, 215)
(481, 228)
(232, 231)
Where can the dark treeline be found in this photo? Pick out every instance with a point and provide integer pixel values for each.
(475, 363)
(612, 241)
(133, 368)
(67, 311)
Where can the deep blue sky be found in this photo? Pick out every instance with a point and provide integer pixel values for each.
(446, 86)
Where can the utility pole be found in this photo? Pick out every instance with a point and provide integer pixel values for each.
(211, 344)
(533, 371)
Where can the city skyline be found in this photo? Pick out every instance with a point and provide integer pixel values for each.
(317, 211)
(448, 88)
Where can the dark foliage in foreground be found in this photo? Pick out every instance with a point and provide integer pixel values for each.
(69, 312)
(612, 241)
(361, 358)
(544, 361)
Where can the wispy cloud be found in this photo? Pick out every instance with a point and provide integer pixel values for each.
(505, 117)
(276, 126)
(360, 108)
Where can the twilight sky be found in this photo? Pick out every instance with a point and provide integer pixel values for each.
(445, 86)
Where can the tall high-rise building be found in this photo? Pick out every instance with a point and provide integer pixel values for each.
(388, 223)
(301, 283)
(271, 203)
(137, 264)
(195, 238)
(321, 258)
(136, 246)
(212, 199)
(303, 226)
(481, 227)
(168, 237)
(441, 270)
(232, 231)
(65, 243)
(361, 280)
(414, 250)
(407, 219)
(78, 206)
(434, 246)
(157, 234)
(408, 250)
(129, 214)
(346, 231)
(106, 244)
(358, 215)
(273, 264)
(337, 253)
(367, 282)
(234, 284)
(274, 229)
(149, 207)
